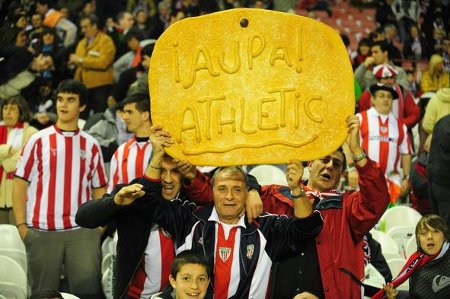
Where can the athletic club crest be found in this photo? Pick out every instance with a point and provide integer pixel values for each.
(250, 250)
(224, 253)
(383, 129)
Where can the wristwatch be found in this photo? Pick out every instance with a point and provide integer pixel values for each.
(302, 193)
(360, 157)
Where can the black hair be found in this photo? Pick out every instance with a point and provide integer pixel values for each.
(24, 110)
(93, 19)
(134, 32)
(74, 87)
(233, 170)
(148, 50)
(188, 257)
(49, 3)
(383, 46)
(142, 101)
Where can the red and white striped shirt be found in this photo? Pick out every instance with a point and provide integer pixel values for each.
(384, 139)
(128, 162)
(153, 272)
(61, 167)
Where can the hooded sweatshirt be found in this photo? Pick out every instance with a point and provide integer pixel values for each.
(437, 108)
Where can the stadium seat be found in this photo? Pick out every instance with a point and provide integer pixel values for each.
(13, 282)
(389, 248)
(399, 216)
(10, 238)
(401, 235)
(18, 255)
(268, 174)
(69, 296)
(411, 246)
(395, 265)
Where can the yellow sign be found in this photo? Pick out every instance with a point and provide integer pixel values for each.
(251, 86)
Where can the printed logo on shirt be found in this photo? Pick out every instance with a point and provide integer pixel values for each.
(440, 282)
(83, 154)
(53, 151)
(250, 251)
(224, 253)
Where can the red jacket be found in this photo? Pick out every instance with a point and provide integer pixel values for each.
(339, 244)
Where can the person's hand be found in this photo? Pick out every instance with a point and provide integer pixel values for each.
(188, 170)
(160, 139)
(294, 173)
(128, 194)
(404, 188)
(369, 61)
(352, 139)
(73, 59)
(42, 118)
(390, 291)
(23, 230)
(253, 205)
(352, 177)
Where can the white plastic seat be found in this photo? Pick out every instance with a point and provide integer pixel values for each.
(401, 235)
(18, 255)
(13, 280)
(373, 277)
(395, 265)
(268, 174)
(105, 246)
(69, 296)
(10, 238)
(411, 246)
(399, 216)
(389, 248)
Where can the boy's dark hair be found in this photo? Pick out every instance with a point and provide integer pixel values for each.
(148, 50)
(188, 257)
(74, 87)
(383, 46)
(134, 33)
(142, 101)
(24, 110)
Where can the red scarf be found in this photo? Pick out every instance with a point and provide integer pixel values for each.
(415, 262)
(4, 140)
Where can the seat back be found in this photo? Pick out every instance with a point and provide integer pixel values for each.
(411, 246)
(401, 235)
(13, 282)
(389, 248)
(399, 216)
(10, 238)
(18, 255)
(268, 174)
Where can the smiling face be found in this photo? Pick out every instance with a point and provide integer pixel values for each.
(430, 239)
(325, 173)
(191, 282)
(229, 192)
(171, 179)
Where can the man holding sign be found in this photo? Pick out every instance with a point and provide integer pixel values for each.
(240, 252)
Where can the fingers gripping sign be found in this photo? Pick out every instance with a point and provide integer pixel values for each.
(294, 173)
(128, 194)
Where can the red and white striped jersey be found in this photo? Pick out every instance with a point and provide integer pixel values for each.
(384, 139)
(61, 167)
(128, 162)
(153, 272)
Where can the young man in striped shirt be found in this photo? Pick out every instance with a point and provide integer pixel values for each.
(61, 168)
(131, 158)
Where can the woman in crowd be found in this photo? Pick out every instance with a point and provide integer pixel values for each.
(189, 277)
(434, 78)
(14, 133)
(428, 269)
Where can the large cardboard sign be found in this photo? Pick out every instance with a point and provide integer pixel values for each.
(251, 86)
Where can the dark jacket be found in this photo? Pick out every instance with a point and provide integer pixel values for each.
(438, 168)
(271, 238)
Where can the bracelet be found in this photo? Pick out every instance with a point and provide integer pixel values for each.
(22, 223)
(360, 157)
(302, 193)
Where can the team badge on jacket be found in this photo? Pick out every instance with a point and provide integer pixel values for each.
(250, 250)
(224, 253)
